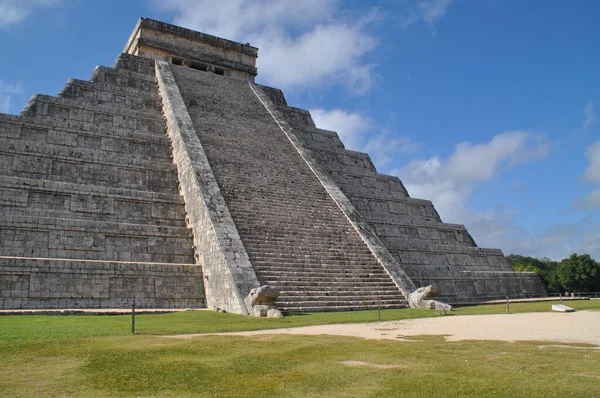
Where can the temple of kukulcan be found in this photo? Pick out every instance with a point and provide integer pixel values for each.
(174, 180)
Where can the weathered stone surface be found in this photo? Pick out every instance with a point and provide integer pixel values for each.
(296, 236)
(228, 274)
(427, 250)
(423, 298)
(262, 302)
(98, 203)
(90, 212)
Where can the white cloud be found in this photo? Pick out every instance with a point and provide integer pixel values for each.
(592, 200)
(590, 116)
(384, 147)
(591, 174)
(360, 133)
(450, 183)
(433, 10)
(352, 127)
(303, 44)
(427, 11)
(13, 12)
(6, 93)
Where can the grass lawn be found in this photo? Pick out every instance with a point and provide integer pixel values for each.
(96, 356)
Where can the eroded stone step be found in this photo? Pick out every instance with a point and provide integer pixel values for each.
(44, 106)
(334, 308)
(323, 281)
(348, 293)
(341, 300)
(106, 93)
(310, 272)
(136, 64)
(343, 303)
(120, 126)
(123, 75)
(107, 151)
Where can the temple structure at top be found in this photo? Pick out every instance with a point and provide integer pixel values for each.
(180, 46)
(173, 179)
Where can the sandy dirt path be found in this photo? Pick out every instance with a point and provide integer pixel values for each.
(575, 327)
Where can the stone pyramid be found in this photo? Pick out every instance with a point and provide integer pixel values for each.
(175, 180)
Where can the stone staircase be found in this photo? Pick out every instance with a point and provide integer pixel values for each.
(296, 237)
(90, 211)
(429, 250)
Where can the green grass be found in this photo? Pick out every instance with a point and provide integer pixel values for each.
(517, 308)
(294, 366)
(26, 327)
(96, 356)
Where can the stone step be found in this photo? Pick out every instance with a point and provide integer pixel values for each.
(340, 308)
(135, 64)
(44, 241)
(420, 247)
(126, 81)
(43, 283)
(102, 128)
(310, 253)
(245, 206)
(261, 230)
(295, 303)
(124, 229)
(277, 240)
(18, 127)
(323, 279)
(102, 122)
(88, 173)
(324, 258)
(280, 215)
(100, 73)
(340, 269)
(297, 241)
(14, 183)
(83, 110)
(318, 280)
(143, 145)
(297, 271)
(106, 152)
(36, 198)
(101, 93)
(271, 192)
(351, 290)
(337, 297)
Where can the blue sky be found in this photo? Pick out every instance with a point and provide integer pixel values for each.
(486, 107)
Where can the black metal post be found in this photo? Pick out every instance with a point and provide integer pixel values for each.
(378, 309)
(507, 305)
(133, 317)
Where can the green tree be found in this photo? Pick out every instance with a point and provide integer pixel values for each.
(579, 273)
(545, 268)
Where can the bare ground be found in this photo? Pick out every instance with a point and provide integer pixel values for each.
(575, 327)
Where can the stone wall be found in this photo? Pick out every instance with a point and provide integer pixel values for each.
(51, 283)
(90, 211)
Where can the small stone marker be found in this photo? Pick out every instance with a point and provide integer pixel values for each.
(562, 308)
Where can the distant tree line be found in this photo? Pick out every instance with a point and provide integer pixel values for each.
(577, 273)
